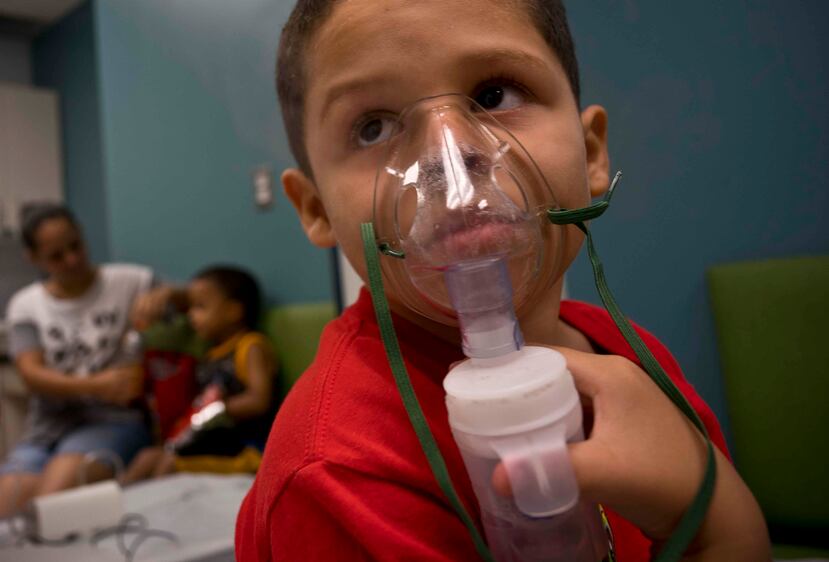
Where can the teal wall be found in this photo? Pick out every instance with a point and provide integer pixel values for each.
(63, 58)
(719, 119)
(188, 110)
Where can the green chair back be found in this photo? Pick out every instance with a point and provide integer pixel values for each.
(294, 331)
(772, 321)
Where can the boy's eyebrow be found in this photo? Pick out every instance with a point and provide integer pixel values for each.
(339, 90)
(487, 57)
(512, 56)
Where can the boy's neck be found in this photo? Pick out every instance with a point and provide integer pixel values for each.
(541, 324)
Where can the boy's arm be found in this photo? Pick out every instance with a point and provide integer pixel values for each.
(645, 460)
(257, 396)
(734, 528)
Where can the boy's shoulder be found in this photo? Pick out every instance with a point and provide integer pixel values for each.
(345, 408)
(243, 347)
(598, 326)
(342, 449)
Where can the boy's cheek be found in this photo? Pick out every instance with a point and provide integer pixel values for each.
(566, 172)
(556, 144)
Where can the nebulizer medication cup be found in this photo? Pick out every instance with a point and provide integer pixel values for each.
(462, 202)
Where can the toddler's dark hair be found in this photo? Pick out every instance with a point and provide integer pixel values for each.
(239, 286)
(35, 215)
(549, 16)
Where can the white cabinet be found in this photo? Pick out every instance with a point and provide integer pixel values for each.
(30, 155)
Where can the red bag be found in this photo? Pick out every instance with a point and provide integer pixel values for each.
(170, 385)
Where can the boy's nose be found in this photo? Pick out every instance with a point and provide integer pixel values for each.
(445, 125)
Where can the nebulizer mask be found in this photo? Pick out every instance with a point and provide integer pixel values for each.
(466, 230)
(460, 203)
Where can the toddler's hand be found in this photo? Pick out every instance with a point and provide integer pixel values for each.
(119, 385)
(645, 460)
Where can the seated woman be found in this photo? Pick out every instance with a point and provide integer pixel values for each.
(66, 339)
(228, 423)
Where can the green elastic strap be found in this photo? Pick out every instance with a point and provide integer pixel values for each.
(407, 393)
(564, 216)
(691, 521)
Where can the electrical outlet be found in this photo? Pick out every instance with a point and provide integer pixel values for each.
(263, 195)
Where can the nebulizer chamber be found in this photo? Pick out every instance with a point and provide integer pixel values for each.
(458, 200)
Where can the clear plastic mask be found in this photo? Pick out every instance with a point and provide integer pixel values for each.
(457, 188)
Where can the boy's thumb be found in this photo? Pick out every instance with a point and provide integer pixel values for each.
(587, 466)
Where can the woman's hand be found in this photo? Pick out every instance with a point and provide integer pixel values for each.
(118, 385)
(150, 306)
(645, 460)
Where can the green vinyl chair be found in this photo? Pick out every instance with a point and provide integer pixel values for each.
(772, 323)
(294, 331)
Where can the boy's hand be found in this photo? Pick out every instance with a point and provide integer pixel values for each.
(645, 460)
(118, 385)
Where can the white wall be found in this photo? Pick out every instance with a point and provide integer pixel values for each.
(31, 169)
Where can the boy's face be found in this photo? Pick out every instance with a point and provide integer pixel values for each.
(211, 313)
(372, 58)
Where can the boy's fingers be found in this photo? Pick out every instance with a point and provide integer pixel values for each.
(589, 465)
(500, 481)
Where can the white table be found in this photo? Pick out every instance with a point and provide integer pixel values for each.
(199, 509)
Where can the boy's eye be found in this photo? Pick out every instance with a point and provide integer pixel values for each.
(374, 130)
(499, 97)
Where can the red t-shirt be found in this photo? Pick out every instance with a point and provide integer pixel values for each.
(344, 477)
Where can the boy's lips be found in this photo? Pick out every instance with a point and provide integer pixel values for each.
(475, 241)
(462, 244)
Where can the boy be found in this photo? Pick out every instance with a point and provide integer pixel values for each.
(234, 382)
(344, 477)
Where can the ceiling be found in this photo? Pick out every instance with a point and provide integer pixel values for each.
(39, 11)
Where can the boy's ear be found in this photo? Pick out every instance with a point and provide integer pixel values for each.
(305, 198)
(594, 123)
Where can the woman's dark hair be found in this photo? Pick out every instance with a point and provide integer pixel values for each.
(239, 286)
(549, 17)
(35, 215)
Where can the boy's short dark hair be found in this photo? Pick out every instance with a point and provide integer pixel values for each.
(549, 16)
(34, 215)
(239, 286)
